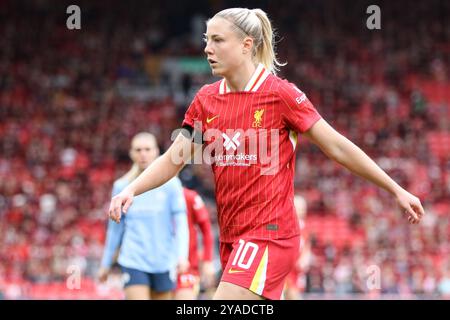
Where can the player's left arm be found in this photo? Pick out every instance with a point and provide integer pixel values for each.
(346, 153)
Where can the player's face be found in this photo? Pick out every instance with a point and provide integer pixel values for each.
(224, 47)
(143, 152)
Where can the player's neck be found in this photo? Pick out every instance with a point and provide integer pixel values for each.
(239, 79)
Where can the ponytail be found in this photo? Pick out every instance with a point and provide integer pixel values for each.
(132, 173)
(265, 51)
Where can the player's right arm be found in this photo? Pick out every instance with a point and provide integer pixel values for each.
(159, 172)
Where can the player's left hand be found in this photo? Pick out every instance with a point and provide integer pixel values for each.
(410, 205)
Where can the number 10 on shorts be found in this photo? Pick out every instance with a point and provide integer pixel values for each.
(243, 252)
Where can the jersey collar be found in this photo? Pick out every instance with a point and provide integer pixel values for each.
(253, 84)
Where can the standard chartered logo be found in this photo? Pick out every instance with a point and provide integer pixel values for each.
(231, 143)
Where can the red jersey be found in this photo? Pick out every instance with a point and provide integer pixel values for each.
(198, 216)
(251, 137)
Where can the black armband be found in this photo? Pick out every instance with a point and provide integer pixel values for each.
(192, 134)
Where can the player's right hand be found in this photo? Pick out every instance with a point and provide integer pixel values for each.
(125, 199)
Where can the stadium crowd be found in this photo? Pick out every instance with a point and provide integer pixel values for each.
(71, 100)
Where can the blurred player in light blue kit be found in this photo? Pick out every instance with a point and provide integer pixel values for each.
(153, 237)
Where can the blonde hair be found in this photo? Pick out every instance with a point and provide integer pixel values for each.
(134, 171)
(255, 24)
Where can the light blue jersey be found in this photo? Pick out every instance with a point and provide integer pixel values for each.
(153, 235)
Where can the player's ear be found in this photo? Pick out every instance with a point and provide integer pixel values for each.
(247, 45)
(130, 154)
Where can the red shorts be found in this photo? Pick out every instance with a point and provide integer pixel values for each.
(259, 265)
(188, 280)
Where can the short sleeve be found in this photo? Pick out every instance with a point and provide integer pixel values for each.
(193, 117)
(298, 113)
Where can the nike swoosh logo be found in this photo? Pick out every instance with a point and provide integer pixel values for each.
(208, 120)
(231, 270)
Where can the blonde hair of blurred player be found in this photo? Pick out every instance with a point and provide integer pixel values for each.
(143, 151)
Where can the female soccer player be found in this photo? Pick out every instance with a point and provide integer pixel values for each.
(154, 237)
(249, 121)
